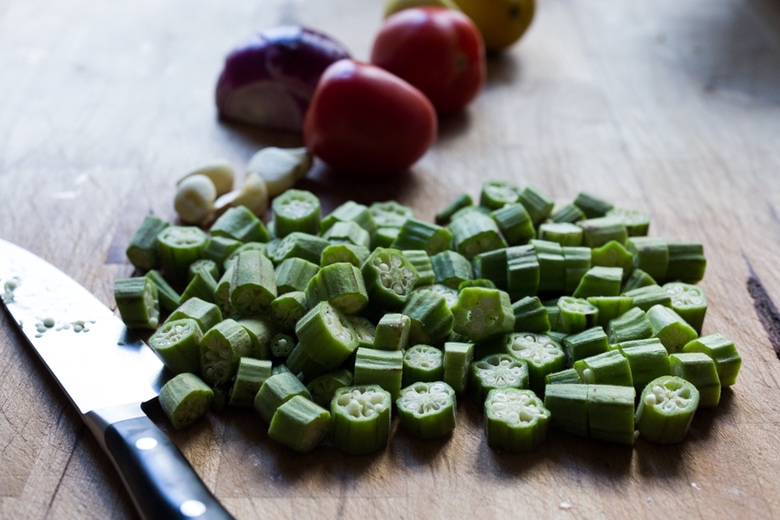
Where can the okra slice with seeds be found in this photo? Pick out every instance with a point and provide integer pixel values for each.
(632, 324)
(326, 335)
(240, 223)
(475, 235)
(666, 409)
(137, 302)
(482, 313)
(177, 343)
(450, 268)
(542, 354)
(142, 251)
(179, 246)
(275, 391)
(253, 285)
(221, 349)
(300, 424)
(361, 419)
(281, 345)
(422, 363)
(673, 331)
(322, 388)
(364, 329)
(184, 399)
(723, 351)
(296, 210)
(427, 410)
(250, 376)
(689, 301)
(206, 314)
(699, 369)
(389, 278)
(392, 332)
(516, 420)
(419, 234)
(576, 314)
(457, 359)
(380, 367)
(501, 370)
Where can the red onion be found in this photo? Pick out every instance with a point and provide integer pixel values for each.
(269, 81)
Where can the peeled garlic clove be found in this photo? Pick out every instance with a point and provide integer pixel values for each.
(194, 200)
(253, 195)
(221, 173)
(280, 167)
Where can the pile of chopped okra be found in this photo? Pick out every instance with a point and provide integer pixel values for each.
(570, 317)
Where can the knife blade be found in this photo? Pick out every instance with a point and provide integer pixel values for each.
(107, 372)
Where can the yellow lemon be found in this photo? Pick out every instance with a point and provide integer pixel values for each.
(393, 6)
(501, 22)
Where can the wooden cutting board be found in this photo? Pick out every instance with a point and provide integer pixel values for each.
(670, 107)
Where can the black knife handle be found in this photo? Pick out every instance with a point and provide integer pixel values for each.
(160, 480)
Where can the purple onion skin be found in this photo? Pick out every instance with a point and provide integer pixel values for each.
(287, 61)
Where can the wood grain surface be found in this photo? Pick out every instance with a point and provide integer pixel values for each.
(671, 107)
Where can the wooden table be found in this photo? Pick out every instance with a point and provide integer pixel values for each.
(671, 107)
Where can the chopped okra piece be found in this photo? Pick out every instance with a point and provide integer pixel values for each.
(299, 245)
(568, 406)
(485, 283)
(722, 351)
(563, 233)
(293, 274)
(261, 332)
(576, 262)
(515, 223)
(204, 264)
(421, 261)
(300, 363)
(323, 387)
(300, 424)
(598, 231)
(137, 301)
(576, 314)
(350, 211)
(351, 253)
(552, 266)
(427, 409)
(608, 368)
(347, 233)
(613, 254)
(457, 358)
(633, 324)
(360, 419)
(326, 335)
(384, 237)
(501, 370)
(390, 213)
(611, 413)
(591, 205)
(522, 271)
(647, 358)
(380, 367)
(586, 343)
(538, 204)
(673, 331)
(648, 296)
(475, 235)
(241, 224)
(288, 308)
(341, 284)
(177, 343)
(600, 281)
(206, 314)
(481, 313)
(217, 250)
(516, 420)
(492, 265)
(169, 298)
(687, 262)
(666, 409)
(651, 255)
(495, 194)
(364, 329)
(277, 390)
(568, 213)
(637, 279)
(202, 286)
(530, 315)
(637, 222)
(281, 345)
(184, 399)
(567, 375)
(699, 369)
(250, 376)
(142, 250)
(296, 210)
(389, 278)
(179, 246)
(542, 353)
(444, 216)
(470, 210)
(418, 234)
(222, 292)
(422, 363)
(253, 286)
(392, 332)
(451, 268)
(610, 307)
(688, 300)
(221, 349)
(263, 247)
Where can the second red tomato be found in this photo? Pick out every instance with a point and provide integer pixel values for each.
(440, 51)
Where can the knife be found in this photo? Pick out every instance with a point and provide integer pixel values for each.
(107, 372)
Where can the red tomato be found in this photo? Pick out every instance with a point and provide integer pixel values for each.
(438, 50)
(365, 120)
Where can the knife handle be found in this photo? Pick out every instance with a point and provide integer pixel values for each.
(161, 482)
